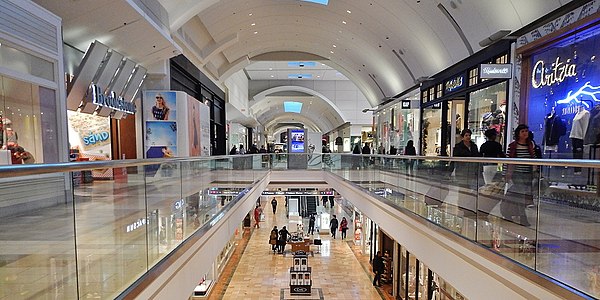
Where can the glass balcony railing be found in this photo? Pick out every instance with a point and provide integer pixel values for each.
(543, 214)
(89, 230)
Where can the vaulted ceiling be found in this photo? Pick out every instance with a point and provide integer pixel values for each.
(383, 46)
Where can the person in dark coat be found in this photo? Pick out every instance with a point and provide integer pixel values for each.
(311, 224)
(491, 148)
(466, 174)
(333, 225)
(273, 238)
(284, 234)
(274, 204)
(378, 268)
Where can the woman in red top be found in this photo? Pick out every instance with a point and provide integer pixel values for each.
(257, 216)
(344, 227)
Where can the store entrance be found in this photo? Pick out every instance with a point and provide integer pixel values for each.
(456, 120)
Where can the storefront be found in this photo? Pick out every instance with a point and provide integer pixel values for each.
(398, 122)
(471, 94)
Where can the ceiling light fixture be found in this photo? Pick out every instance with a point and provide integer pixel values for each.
(256, 32)
(334, 46)
(252, 24)
(344, 22)
(348, 11)
(331, 52)
(250, 14)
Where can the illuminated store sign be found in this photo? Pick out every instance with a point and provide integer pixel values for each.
(111, 100)
(405, 104)
(557, 73)
(454, 84)
(178, 204)
(94, 138)
(490, 71)
(135, 225)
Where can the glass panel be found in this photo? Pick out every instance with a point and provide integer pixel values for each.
(25, 63)
(38, 245)
(432, 131)
(487, 110)
(28, 114)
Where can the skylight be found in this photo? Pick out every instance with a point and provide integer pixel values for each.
(323, 2)
(299, 76)
(292, 106)
(299, 64)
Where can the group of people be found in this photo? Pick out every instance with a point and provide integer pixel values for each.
(278, 239)
(334, 224)
(518, 178)
(252, 150)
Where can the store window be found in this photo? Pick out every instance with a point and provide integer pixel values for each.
(25, 63)
(424, 97)
(432, 130)
(502, 59)
(431, 93)
(29, 121)
(440, 90)
(473, 76)
(487, 110)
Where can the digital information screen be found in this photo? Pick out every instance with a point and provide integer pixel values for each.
(297, 141)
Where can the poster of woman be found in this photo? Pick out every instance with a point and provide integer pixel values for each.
(160, 105)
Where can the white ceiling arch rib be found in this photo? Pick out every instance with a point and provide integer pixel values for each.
(260, 97)
(365, 38)
(295, 118)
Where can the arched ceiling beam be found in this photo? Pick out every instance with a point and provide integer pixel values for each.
(262, 95)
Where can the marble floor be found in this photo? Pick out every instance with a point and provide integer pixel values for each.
(260, 274)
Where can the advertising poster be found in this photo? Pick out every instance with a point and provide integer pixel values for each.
(205, 129)
(297, 141)
(89, 134)
(161, 139)
(194, 129)
(160, 106)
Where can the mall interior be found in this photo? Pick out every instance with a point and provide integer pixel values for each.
(299, 149)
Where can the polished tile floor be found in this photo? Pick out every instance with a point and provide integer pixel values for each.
(260, 274)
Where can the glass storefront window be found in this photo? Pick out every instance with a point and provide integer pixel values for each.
(432, 131)
(28, 114)
(25, 63)
(487, 110)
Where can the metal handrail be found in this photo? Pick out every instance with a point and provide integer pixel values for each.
(22, 170)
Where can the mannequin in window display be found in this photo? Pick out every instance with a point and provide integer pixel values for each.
(554, 128)
(592, 134)
(578, 130)
(11, 137)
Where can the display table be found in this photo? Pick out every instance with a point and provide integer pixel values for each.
(301, 246)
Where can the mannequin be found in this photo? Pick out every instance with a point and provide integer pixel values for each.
(580, 125)
(554, 128)
(592, 135)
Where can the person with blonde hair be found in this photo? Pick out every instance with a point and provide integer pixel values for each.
(160, 110)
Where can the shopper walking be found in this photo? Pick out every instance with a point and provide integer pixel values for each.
(333, 225)
(344, 227)
(518, 193)
(274, 204)
(257, 216)
(311, 224)
(284, 234)
(273, 238)
(378, 267)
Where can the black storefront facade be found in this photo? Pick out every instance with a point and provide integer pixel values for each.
(470, 94)
(188, 78)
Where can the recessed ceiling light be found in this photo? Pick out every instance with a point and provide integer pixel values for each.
(331, 52)
(252, 24)
(250, 14)
(272, 76)
(318, 76)
(334, 46)
(348, 11)
(256, 32)
(270, 69)
(343, 22)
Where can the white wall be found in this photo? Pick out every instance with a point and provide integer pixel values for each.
(237, 92)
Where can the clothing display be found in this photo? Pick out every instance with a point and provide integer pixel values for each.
(580, 124)
(577, 151)
(592, 135)
(554, 129)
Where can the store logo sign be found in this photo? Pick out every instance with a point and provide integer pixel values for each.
(405, 104)
(491, 71)
(94, 138)
(556, 74)
(178, 204)
(111, 100)
(455, 84)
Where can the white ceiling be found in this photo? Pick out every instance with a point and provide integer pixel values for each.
(275, 70)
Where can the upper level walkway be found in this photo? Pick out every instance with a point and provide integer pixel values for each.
(154, 230)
